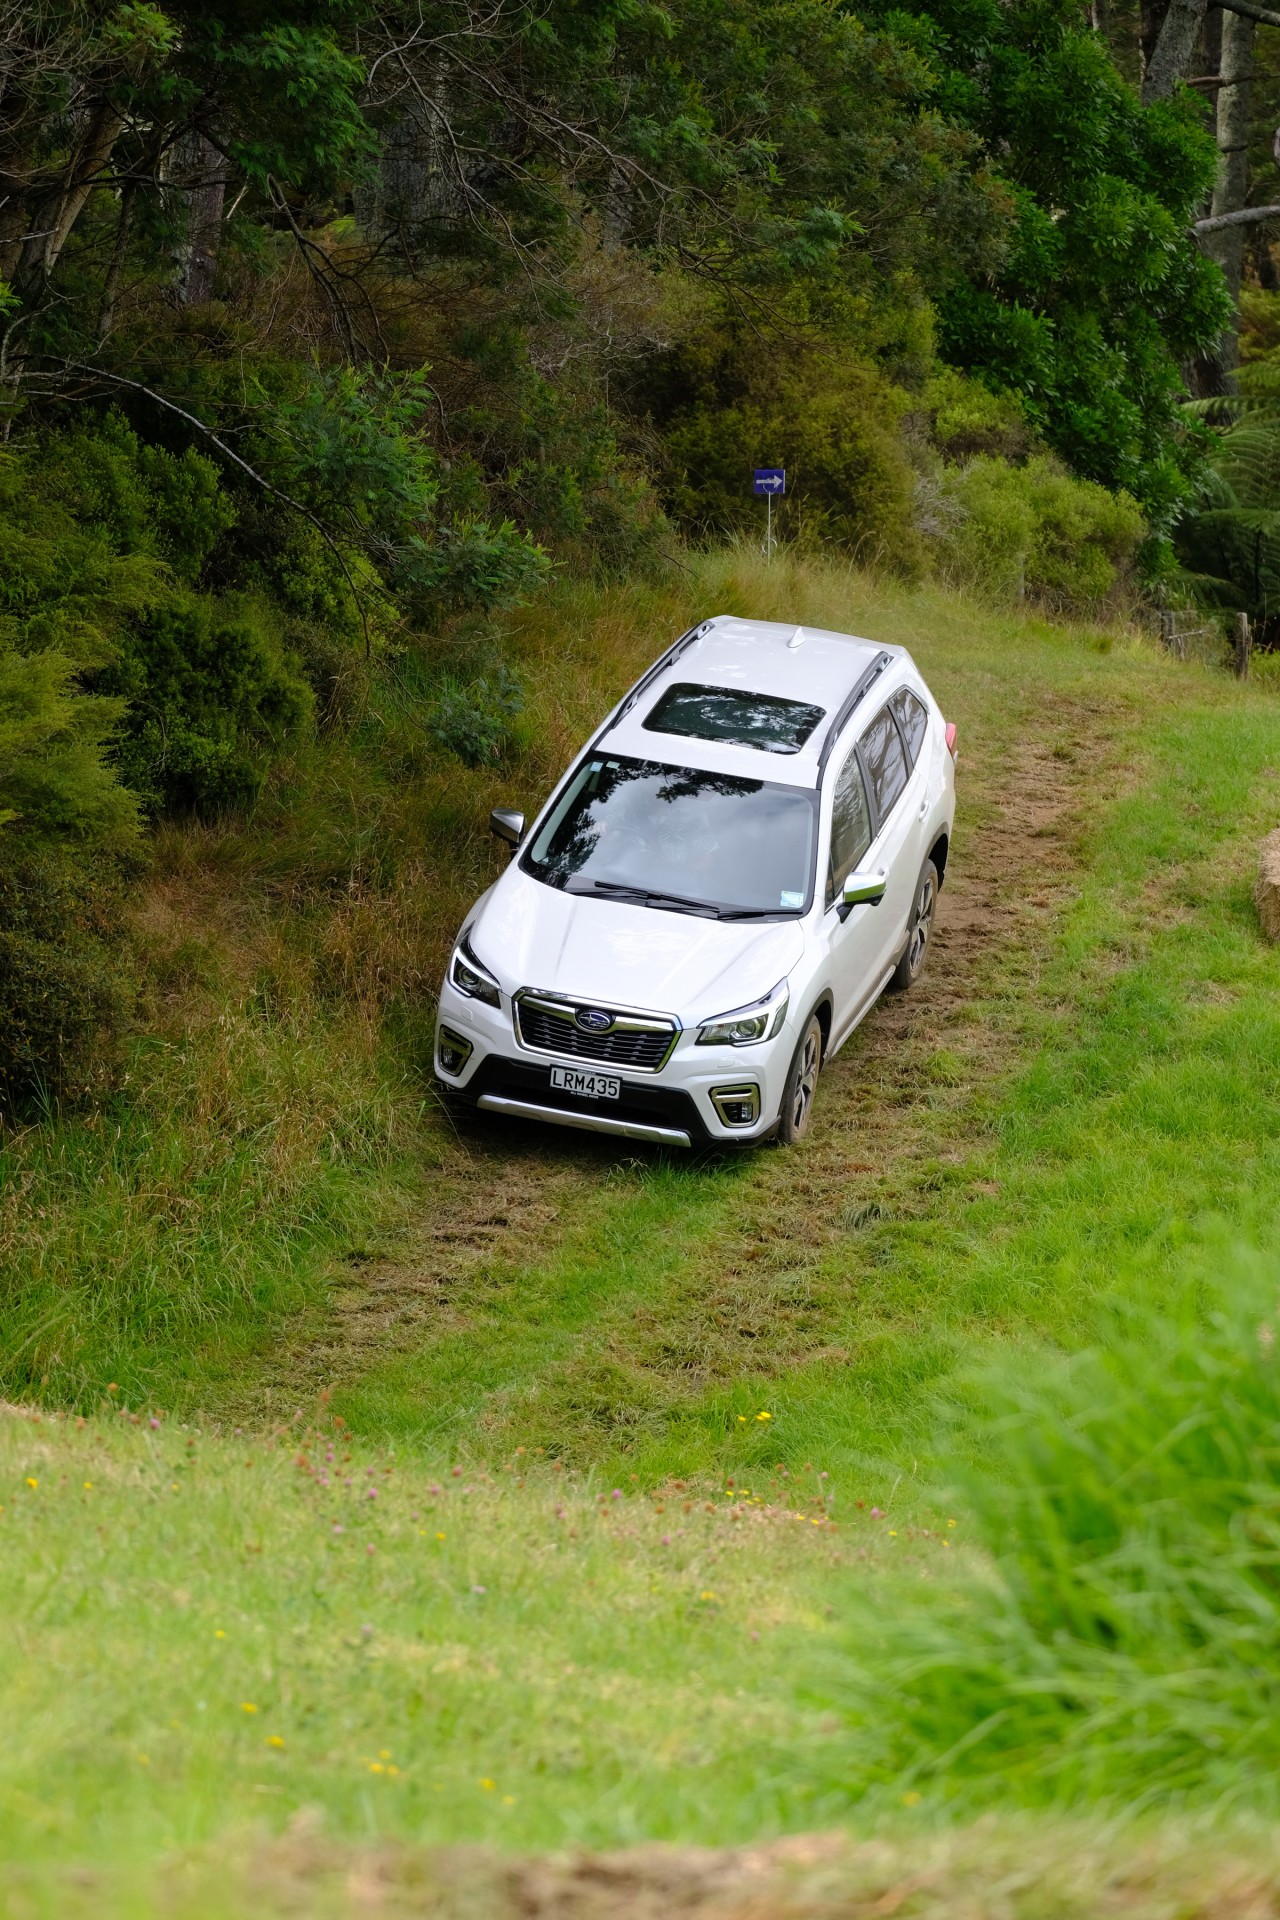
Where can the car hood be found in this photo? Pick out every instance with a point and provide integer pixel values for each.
(621, 955)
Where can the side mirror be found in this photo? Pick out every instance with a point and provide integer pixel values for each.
(507, 825)
(860, 890)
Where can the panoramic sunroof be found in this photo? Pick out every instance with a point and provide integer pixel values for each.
(742, 719)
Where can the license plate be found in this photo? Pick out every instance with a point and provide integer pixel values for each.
(592, 1086)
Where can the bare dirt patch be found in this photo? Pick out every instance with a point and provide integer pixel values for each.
(993, 1870)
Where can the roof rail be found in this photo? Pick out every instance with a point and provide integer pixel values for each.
(661, 664)
(862, 687)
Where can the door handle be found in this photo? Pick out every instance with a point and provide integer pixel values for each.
(924, 808)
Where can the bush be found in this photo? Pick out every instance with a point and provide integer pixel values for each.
(477, 720)
(965, 418)
(210, 695)
(65, 985)
(1126, 1642)
(1030, 532)
(67, 829)
(832, 420)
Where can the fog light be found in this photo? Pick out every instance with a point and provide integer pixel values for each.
(737, 1106)
(452, 1052)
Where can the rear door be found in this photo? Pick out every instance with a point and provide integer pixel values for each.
(899, 807)
(894, 790)
(853, 942)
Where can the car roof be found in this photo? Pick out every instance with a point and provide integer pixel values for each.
(810, 664)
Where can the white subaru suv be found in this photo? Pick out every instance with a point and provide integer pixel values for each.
(747, 852)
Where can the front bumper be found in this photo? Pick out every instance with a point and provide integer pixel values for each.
(674, 1106)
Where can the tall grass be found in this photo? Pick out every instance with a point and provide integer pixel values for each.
(1120, 1638)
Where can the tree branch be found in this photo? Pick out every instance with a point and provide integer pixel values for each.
(1251, 11)
(1242, 217)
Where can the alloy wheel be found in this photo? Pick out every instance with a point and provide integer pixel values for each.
(806, 1084)
(923, 923)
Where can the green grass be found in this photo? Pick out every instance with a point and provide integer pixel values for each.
(206, 1635)
(1118, 1643)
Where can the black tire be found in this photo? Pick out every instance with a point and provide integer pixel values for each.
(920, 930)
(802, 1081)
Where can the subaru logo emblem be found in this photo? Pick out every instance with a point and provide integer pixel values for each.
(593, 1019)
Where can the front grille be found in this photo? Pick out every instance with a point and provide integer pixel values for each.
(635, 1040)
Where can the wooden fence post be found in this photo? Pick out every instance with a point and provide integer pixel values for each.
(1243, 647)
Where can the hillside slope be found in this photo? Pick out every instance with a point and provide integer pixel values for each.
(274, 1249)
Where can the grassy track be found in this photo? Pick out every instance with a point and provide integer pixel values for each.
(990, 1154)
(1079, 1101)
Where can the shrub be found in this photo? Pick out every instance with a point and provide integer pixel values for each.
(1126, 1641)
(832, 420)
(965, 418)
(1030, 532)
(66, 825)
(210, 694)
(141, 499)
(476, 720)
(65, 985)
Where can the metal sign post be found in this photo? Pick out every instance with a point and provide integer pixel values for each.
(770, 481)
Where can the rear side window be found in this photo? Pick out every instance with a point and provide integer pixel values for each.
(885, 759)
(913, 717)
(850, 825)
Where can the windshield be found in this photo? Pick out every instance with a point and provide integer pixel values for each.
(678, 838)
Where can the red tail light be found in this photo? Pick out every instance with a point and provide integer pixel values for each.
(951, 738)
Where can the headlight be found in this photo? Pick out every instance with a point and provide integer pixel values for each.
(471, 978)
(742, 1028)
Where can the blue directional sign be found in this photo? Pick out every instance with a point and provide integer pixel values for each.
(771, 480)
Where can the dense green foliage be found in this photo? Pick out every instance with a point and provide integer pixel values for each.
(1097, 296)
(1229, 541)
(1032, 531)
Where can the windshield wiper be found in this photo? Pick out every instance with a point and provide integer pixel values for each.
(649, 896)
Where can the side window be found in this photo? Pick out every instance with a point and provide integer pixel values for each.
(913, 717)
(850, 825)
(885, 759)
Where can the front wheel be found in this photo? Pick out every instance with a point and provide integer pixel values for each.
(802, 1084)
(920, 929)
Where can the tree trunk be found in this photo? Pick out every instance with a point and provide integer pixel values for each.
(419, 183)
(104, 130)
(56, 212)
(1168, 47)
(198, 173)
(1214, 374)
(115, 271)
